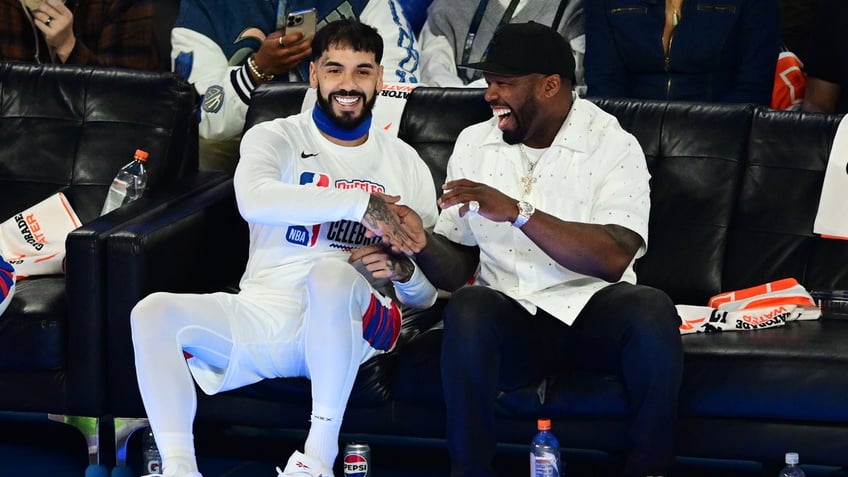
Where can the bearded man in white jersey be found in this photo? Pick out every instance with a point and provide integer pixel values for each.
(320, 291)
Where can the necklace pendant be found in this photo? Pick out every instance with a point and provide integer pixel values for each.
(528, 183)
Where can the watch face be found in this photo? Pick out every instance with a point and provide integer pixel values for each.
(525, 210)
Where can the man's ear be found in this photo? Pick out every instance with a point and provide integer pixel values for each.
(313, 75)
(380, 78)
(552, 85)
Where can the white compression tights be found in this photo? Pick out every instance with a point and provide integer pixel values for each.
(163, 325)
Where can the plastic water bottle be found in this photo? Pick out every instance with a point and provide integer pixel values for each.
(544, 452)
(128, 184)
(792, 468)
(150, 458)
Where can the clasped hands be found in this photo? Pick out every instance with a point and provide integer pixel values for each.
(402, 231)
(402, 235)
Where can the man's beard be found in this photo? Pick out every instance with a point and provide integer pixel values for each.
(514, 136)
(345, 120)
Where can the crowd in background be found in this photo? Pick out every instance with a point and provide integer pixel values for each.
(614, 43)
(780, 53)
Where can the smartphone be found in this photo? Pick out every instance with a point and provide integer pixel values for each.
(33, 4)
(303, 21)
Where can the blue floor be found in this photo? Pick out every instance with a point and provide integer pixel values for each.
(35, 446)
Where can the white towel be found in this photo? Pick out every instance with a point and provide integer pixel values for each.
(763, 306)
(831, 219)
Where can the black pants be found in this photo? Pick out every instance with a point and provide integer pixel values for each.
(631, 330)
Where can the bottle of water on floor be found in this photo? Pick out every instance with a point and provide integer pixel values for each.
(150, 458)
(545, 458)
(128, 185)
(792, 468)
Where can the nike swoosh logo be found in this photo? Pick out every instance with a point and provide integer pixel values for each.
(304, 155)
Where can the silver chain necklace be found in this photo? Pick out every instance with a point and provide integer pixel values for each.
(529, 177)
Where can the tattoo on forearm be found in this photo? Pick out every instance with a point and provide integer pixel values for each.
(377, 212)
(402, 267)
(378, 216)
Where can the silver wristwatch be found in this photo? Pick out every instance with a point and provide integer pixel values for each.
(525, 210)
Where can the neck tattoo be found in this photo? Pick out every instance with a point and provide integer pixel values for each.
(530, 166)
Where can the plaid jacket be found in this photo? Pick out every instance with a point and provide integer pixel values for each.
(108, 32)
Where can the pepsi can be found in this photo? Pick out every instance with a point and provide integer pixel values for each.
(357, 460)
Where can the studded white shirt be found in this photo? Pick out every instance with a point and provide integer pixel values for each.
(594, 172)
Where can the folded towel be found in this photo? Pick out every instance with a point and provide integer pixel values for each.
(831, 220)
(763, 306)
(33, 240)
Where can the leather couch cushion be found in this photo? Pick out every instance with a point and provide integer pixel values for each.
(773, 224)
(32, 329)
(799, 371)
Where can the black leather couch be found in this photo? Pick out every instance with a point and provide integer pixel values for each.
(735, 190)
(70, 129)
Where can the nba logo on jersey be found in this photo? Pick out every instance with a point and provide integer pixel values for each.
(315, 178)
(355, 465)
(300, 235)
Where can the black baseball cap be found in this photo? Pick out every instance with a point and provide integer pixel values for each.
(523, 48)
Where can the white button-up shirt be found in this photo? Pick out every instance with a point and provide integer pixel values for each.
(593, 172)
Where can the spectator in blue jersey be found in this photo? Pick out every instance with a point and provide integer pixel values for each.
(679, 50)
(226, 49)
(416, 12)
(459, 31)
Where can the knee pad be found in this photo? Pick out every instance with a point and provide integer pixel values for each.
(381, 323)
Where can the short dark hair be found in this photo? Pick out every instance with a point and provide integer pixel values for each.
(348, 32)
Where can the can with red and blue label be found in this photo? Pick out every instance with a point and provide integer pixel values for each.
(357, 460)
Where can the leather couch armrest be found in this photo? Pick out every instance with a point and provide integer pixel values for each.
(197, 245)
(88, 285)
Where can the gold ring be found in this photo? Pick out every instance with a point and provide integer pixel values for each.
(48, 21)
(281, 41)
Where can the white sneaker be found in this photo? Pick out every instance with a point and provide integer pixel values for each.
(302, 465)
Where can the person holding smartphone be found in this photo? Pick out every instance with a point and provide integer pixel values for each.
(79, 32)
(227, 49)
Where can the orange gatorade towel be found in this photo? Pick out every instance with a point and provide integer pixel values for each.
(33, 240)
(763, 306)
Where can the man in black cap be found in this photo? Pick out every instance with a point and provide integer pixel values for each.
(550, 198)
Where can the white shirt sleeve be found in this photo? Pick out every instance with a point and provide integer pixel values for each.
(400, 53)
(438, 63)
(417, 292)
(267, 191)
(450, 224)
(225, 90)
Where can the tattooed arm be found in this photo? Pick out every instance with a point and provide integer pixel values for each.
(382, 220)
(378, 264)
